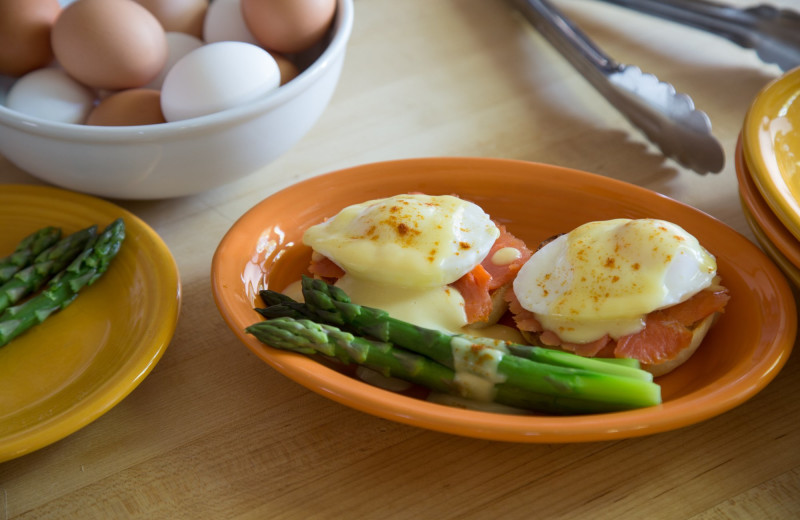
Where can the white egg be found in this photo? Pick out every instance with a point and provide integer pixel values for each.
(604, 277)
(51, 94)
(216, 77)
(178, 45)
(406, 240)
(224, 21)
(438, 307)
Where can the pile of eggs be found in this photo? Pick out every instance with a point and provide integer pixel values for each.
(139, 62)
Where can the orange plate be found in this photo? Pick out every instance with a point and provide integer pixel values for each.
(741, 354)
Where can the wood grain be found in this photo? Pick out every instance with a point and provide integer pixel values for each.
(213, 432)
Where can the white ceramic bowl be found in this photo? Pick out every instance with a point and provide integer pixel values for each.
(182, 157)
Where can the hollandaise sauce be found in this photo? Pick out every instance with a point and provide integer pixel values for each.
(605, 276)
(407, 240)
(439, 308)
(476, 369)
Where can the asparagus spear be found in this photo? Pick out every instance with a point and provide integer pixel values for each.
(62, 289)
(565, 359)
(26, 251)
(331, 303)
(557, 375)
(46, 265)
(280, 305)
(307, 337)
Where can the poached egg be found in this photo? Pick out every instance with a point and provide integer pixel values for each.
(400, 253)
(604, 277)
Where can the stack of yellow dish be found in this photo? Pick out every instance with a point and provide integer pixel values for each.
(768, 170)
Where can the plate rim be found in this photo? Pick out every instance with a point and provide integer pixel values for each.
(769, 182)
(769, 224)
(130, 373)
(629, 424)
(789, 269)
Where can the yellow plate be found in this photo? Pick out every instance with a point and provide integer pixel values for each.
(742, 353)
(64, 373)
(771, 147)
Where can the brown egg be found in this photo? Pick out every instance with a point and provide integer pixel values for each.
(185, 16)
(288, 26)
(287, 68)
(112, 44)
(25, 34)
(139, 106)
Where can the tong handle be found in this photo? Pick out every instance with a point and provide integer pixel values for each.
(569, 40)
(773, 33)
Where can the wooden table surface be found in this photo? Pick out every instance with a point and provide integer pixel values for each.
(213, 432)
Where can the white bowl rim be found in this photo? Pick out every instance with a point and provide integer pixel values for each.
(343, 25)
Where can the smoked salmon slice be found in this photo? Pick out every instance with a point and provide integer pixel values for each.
(477, 289)
(698, 306)
(323, 267)
(523, 318)
(474, 288)
(661, 339)
(503, 274)
(666, 333)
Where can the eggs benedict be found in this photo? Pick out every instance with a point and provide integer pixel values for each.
(436, 261)
(643, 289)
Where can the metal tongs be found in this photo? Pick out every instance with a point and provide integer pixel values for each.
(773, 33)
(667, 118)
